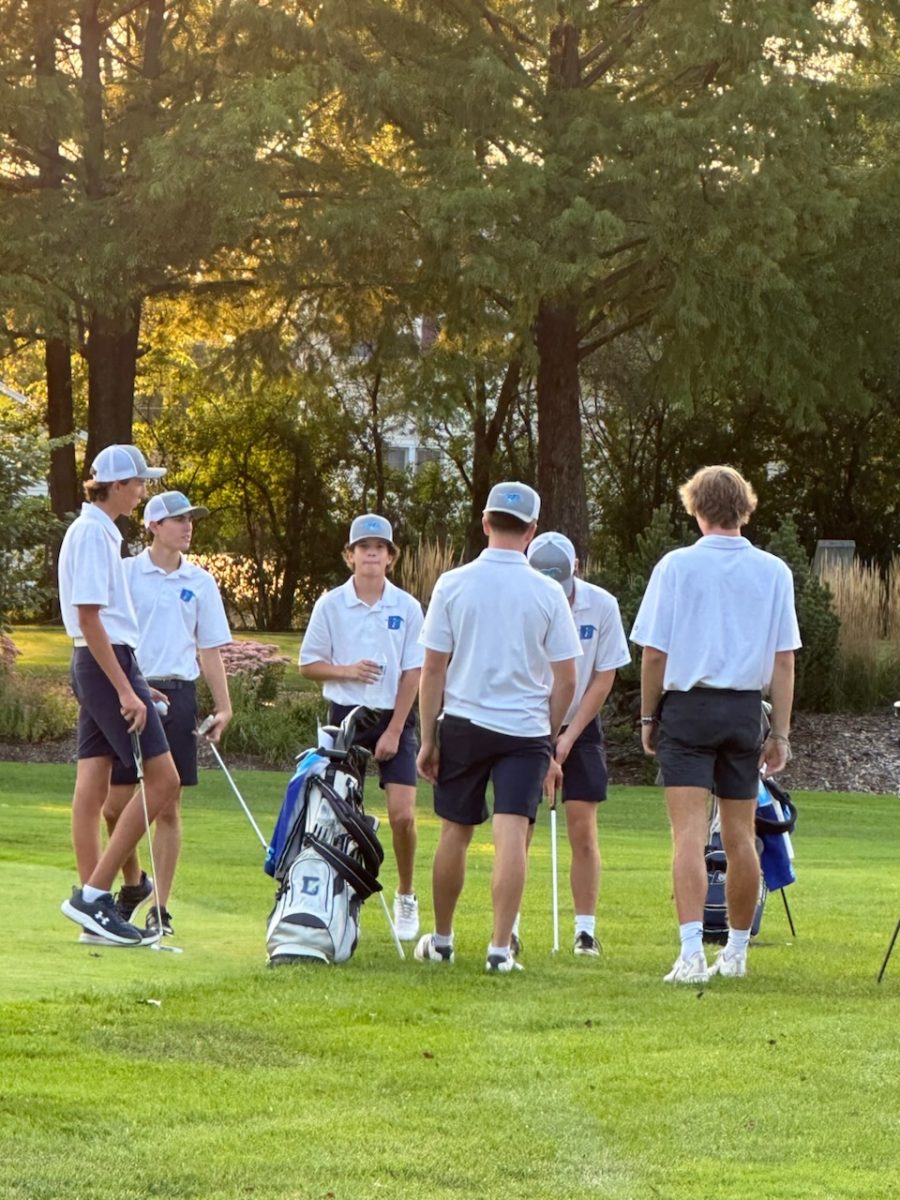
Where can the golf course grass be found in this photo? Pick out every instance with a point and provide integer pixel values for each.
(129, 1074)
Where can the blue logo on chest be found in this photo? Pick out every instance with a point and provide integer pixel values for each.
(186, 595)
(394, 622)
(586, 632)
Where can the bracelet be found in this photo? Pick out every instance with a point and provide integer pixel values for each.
(649, 720)
(779, 737)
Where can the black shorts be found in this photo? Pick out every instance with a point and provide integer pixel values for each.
(102, 730)
(711, 738)
(584, 772)
(179, 725)
(471, 755)
(402, 767)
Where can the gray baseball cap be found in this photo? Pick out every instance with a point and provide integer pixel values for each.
(516, 499)
(371, 525)
(116, 463)
(554, 555)
(171, 504)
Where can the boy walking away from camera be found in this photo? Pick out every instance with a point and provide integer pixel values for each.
(718, 626)
(498, 678)
(181, 618)
(114, 700)
(579, 748)
(362, 645)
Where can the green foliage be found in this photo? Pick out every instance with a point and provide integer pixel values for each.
(815, 685)
(32, 708)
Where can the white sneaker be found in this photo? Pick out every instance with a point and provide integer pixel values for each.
(427, 951)
(729, 966)
(501, 963)
(689, 970)
(406, 917)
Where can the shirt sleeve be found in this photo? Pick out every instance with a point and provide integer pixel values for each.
(653, 623)
(562, 640)
(413, 651)
(317, 644)
(91, 569)
(612, 646)
(437, 633)
(212, 623)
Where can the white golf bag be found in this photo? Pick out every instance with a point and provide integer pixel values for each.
(325, 855)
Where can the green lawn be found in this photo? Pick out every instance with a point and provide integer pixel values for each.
(574, 1078)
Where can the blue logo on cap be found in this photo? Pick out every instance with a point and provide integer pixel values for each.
(553, 573)
(586, 632)
(513, 497)
(394, 622)
(373, 525)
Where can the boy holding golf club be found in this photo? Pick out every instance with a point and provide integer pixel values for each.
(362, 645)
(114, 700)
(181, 618)
(579, 748)
(498, 678)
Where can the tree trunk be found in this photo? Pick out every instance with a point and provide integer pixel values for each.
(485, 437)
(64, 491)
(560, 462)
(112, 364)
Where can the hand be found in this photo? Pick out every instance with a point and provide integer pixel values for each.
(134, 710)
(387, 745)
(156, 695)
(648, 739)
(364, 671)
(428, 760)
(774, 755)
(220, 723)
(564, 745)
(553, 781)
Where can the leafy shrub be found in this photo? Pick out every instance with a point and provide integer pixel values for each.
(32, 709)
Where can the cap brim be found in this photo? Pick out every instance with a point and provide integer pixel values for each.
(153, 473)
(374, 537)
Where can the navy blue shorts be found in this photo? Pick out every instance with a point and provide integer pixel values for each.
(471, 756)
(102, 730)
(179, 725)
(711, 738)
(402, 767)
(584, 772)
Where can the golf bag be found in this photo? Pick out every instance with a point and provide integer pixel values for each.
(776, 816)
(325, 854)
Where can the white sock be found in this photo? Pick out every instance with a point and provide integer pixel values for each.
(738, 941)
(443, 939)
(502, 951)
(91, 893)
(585, 925)
(515, 927)
(691, 933)
(406, 895)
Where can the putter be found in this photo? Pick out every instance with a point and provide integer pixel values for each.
(202, 731)
(139, 767)
(555, 876)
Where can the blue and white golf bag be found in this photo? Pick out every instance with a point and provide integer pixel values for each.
(325, 854)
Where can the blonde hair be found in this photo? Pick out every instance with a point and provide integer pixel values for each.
(720, 495)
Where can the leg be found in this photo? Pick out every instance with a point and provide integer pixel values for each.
(508, 879)
(401, 806)
(91, 787)
(742, 877)
(116, 800)
(689, 820)
(449, 873)
(584, 875)
(166, 849)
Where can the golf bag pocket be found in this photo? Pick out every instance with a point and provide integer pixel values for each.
(316, 913)
(715, 912)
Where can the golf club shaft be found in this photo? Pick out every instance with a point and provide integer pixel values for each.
(139, 767)
(391, 926)
(890, 951)
(240, 798)
(555, 879)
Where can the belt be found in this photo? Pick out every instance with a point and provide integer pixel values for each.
(80, 644)
(170, 685)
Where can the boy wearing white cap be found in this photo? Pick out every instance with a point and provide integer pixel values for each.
(362, 645)
(579, 747)
(114, 700)
(181, 618)
(498, 678)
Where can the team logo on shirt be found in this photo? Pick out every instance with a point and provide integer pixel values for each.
(586, 632)
(394, 622)
(186, 595)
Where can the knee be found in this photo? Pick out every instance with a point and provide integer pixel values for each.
(403, 822)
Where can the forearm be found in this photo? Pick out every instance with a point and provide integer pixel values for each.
(653, 673)
(406, 697)
(214, 673)
(591, 702)
(561, 693)
(97, 641)
(781, 693)
(322, 672)
(431, 694)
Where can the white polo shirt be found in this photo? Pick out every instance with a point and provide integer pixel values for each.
(344, 629)
(91, 571)
(720, 610)
(178, 614)
(604, 646)
(503, 623)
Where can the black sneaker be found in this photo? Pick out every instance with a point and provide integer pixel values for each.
(587, 945)
(101, 918)
(132, 896)
(159, 922)
(501, 963)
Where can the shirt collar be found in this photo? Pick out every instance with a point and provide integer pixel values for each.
(491, 554)
(92, 512)
(722, 541)
(148, 566)
(389, 597)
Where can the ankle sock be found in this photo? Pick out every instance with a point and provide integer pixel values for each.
(502, 951)
(738, 941)
(91, 894)
(585, 925)
(691, 933)
(443, 940)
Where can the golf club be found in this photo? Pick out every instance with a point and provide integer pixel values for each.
(890, 951)
(555, 876)
(139, 767)
(202, 731)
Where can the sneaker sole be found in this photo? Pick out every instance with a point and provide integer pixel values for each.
(94, 939)
(86, 922)
(586, 953)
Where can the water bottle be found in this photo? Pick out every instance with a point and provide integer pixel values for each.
(374, 697)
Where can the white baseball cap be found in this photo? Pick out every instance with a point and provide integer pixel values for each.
(171, 504)
(371, 525)
(554, 555)
(116, 463)
(516, 499)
